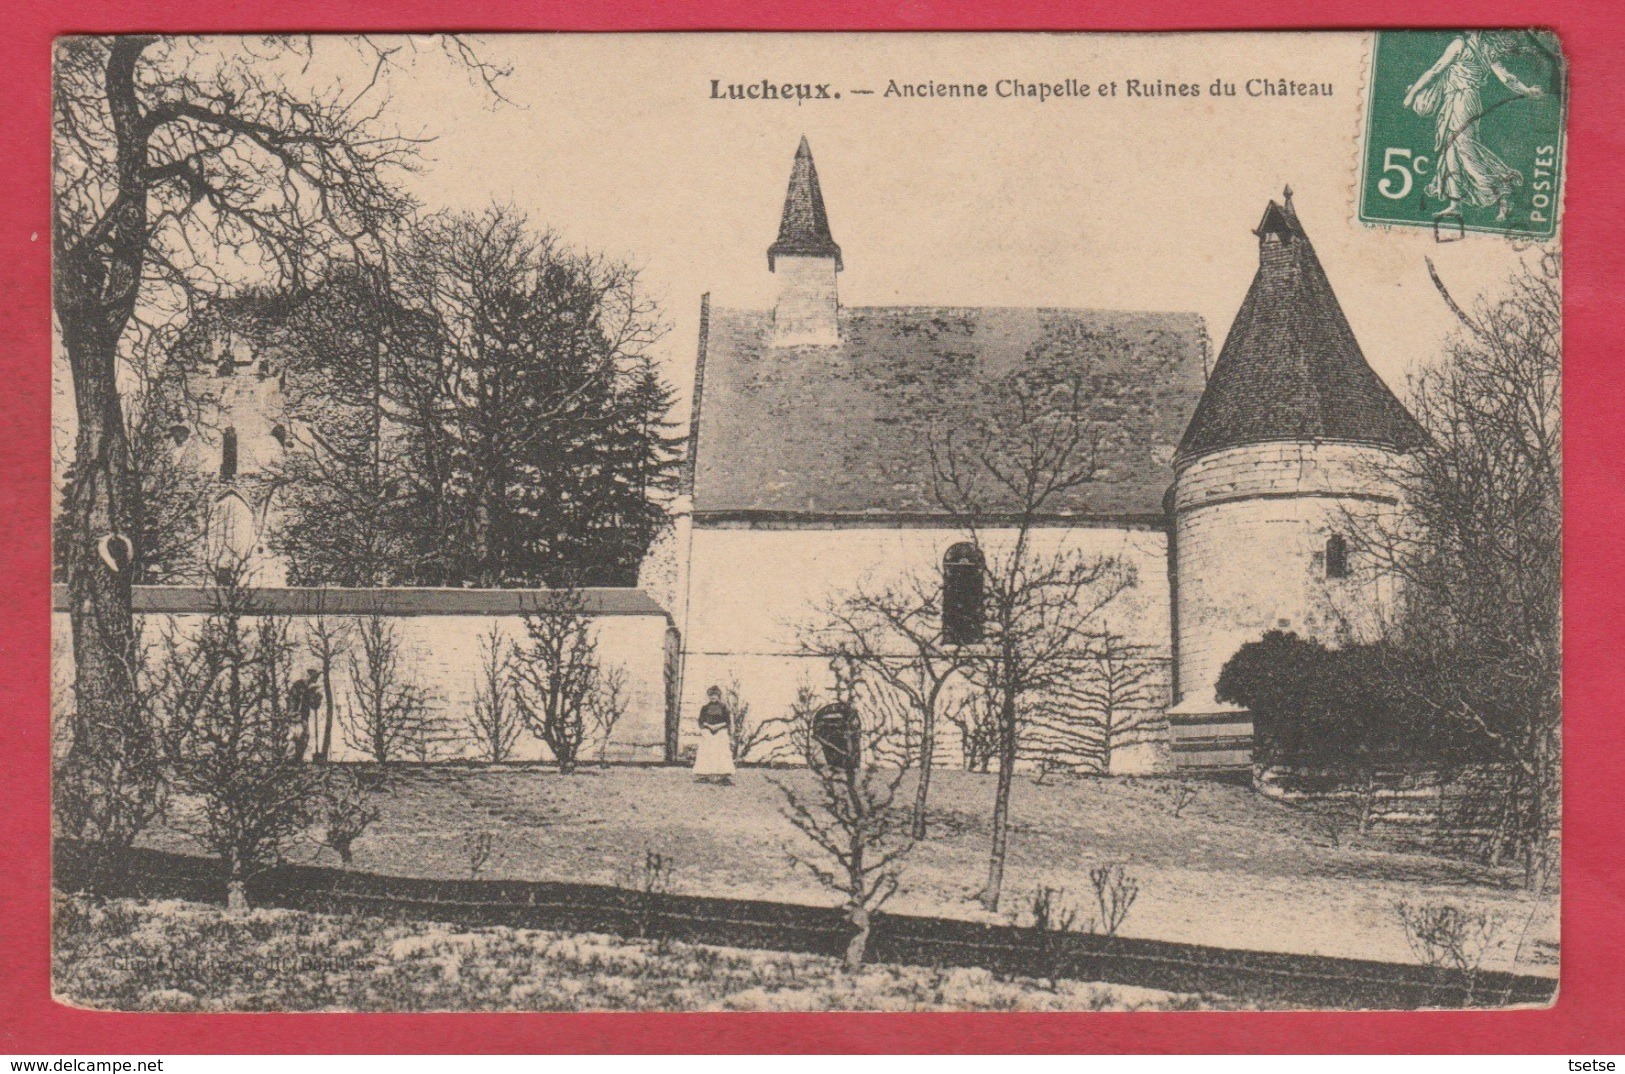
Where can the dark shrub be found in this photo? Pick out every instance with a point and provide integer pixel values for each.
(1349, 708)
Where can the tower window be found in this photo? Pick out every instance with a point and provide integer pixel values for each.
(964, 613)
(228, 454)
(179, 434)
(279, 433)
(1337, 557)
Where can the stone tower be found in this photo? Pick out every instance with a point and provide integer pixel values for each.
(239, 441)
(806, 259)
(1287, 451)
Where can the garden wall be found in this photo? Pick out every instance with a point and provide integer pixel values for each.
(1444, 809)
(441, 633)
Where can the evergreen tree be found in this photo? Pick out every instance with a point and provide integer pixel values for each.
(489, 416)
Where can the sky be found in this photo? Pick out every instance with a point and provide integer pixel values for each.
(1098, 202)
(1140, 203)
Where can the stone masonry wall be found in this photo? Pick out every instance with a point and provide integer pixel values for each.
(751, 589)
(1252, 526)
(806, 310)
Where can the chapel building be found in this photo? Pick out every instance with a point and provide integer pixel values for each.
(1231, 496)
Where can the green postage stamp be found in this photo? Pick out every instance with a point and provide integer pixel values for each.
(1464, 132)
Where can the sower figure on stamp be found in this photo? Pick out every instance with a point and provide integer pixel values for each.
(1467, 170)
(714, 762)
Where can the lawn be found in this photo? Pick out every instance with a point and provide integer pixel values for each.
(1232, 869)
(131, 955)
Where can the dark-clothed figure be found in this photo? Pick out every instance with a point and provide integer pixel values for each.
(838, 736)
(304, 702)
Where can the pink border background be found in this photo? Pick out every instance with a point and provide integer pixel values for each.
(1588, 1016)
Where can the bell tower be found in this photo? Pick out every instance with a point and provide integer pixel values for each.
(806, 259)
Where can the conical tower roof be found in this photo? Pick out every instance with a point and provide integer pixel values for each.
(804, 227)
(1290, 368)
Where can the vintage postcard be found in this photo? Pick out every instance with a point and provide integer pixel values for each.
(807, 521)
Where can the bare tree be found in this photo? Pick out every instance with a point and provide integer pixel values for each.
(327, 639)
(1036, 445)
(389, 717)
(1451, 937)
(181, 166)
(556, 673)
(975, 716)
(347, 808)
(606, 704)
(229, 736)
(1110, 704)
(776, 740)
(1115, 891)
(494, 721)
(745, 738)
(893, 636)
(1477, 551)
(861, 838)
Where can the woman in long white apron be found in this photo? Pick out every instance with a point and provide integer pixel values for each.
(714, 761)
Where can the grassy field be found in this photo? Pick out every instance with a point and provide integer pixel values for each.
(1232, 869)
(132, 955)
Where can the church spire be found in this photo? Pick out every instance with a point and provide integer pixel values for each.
(806, 259)
(804, 227)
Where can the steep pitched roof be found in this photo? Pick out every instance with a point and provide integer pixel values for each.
(1290, 368)
(846, 431)
(804, 227)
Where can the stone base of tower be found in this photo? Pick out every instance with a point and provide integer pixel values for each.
(1211, 738)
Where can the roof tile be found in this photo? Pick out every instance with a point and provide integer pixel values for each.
(1290, 368)
(847, 430)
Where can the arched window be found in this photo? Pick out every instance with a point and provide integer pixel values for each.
(1337, 557)
(963, 612)
(228, 454)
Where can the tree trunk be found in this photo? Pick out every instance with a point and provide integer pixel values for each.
(328, 707)
(99, 599)
(236, 891)
(484, 569)
(97, 280)
(858, 946)
(928, 742)
(1001, 803)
